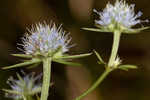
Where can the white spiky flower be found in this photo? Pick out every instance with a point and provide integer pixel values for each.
(46, 40)
(28, 85)
(117, 62)
(118, 16)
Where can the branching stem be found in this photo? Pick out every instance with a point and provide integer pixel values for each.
(109, 67)
(99, 80)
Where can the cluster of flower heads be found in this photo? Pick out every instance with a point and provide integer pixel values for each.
(48, 39)
(28, 85)
(45, 39)
(120, 13)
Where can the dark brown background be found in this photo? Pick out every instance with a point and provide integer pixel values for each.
(69, 82)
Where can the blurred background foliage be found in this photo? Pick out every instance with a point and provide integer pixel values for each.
(69, 82)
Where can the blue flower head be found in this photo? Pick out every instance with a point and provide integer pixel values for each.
(46, 40)
(28, 85)
(118, 16)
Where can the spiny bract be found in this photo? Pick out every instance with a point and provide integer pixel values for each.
(120, 14)
(117, 62)
(45, 40)
(28, 85)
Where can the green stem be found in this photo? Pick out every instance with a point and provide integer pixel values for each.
(46, 78)
(29, 98)
(115, 47)
(99, 80)
(114, 51)
(24, 97)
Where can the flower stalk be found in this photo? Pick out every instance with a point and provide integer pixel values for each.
(45, 44)
(115, 46)
(118, 18)
(96, 84)
(46, 78)
(109, 67)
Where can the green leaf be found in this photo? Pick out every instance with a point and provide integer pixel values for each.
(11, 91)
(22, 55)
(38, 98)
(99, 57)
(95, 29)
(75, 56)
(66, 62)
(135, 31)
(20, 78)
(33, 66)
(23, 64)
(126, 67)
(36, 90)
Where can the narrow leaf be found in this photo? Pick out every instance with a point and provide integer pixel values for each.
(67, 63)
(143, 28)
(92, 29)
(135, 31)
(22, 64)
(99, 57)
(33, 66)
(75, 56)
(36, 90)
(126, 67)
(95, 29)
(22, 55)
(11, 91)
(38, 98)
(20, 78)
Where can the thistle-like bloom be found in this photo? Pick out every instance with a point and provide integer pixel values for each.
(117, 62)
(28, 85)
(120, 16)
(46, 40)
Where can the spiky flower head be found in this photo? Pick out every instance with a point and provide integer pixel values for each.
(117, 62)
(28, 85)
(119, 16)
(46, 40)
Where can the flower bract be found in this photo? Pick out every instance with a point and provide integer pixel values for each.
(28, 85)
(46, 40)
(119, 16)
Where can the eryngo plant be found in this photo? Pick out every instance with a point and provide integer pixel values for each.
(46, 40)
(120, 15)
(118, 18)
(46, 43)
(24, 87)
